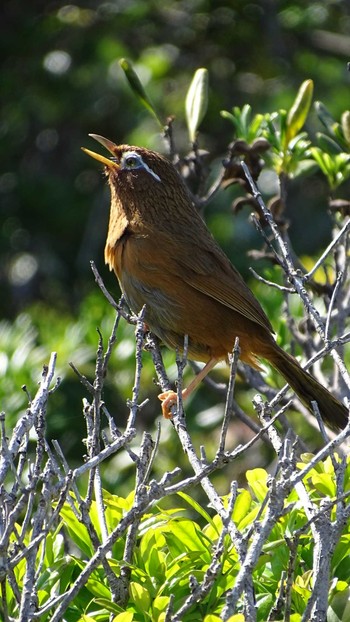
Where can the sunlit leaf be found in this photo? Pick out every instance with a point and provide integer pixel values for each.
(345, 124)
(137, 87)
(78, 532)
(339, 608)
(197, 507)
(140, 596)
(257, 480)
(126, 616)
(241, 507)
(197, 102)
(325, 483)
(159, 606)
(299, 111)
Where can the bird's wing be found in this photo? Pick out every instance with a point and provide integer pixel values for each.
(205, 268)
(214, 275)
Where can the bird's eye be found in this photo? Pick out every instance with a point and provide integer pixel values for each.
(132, 162)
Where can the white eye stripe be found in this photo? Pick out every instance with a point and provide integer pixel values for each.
(149, 170)
(135, 162)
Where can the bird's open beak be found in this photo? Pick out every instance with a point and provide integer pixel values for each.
(111, 147)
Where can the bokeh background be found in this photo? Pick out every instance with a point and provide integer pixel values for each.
(60, 80)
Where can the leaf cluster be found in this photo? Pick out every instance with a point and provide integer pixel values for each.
(175, 549)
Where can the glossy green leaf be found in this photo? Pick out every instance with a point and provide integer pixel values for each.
(197, 507)
(137, 87)
(140, 596)
(238, 617)
(327, 144)
(97, 587)
(324, 160)
(325, 484)
(299, 111)
(246, 127)
(196, 102)
(241, 507)
(77, 530)
(345, 124)
(249, 518)
(325, 116)
(257, 480)
(339, 608)
(126, 616)
(159, 606)
(108, 604)
(185, 535)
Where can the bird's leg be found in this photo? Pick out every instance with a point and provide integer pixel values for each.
(169, 398)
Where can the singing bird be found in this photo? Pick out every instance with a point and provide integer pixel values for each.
(165, 257)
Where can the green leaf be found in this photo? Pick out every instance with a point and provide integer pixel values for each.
(138, 88)
(241, 507)
(227, 115)
(159, 606)
(324, 483)
(249, 518)
(339, 608)
(325, 117)
(108, 604)
(264, 602)
(77, 530)
(323, 160)
(336, 168)
(246, 128)
(126, 616)
(300, 109)
(196, 102)
(184, 535)
(155, 562)
(342, 551)
(140, 596)
(345, 124)
(151, 552)
(257, 480)
(238, 617)
(96, 586)
(198, 508)
(327, 144)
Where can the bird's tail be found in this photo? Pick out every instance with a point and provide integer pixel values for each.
(333, 413)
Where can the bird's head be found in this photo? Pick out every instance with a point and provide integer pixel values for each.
(145, 186)
(134, 167)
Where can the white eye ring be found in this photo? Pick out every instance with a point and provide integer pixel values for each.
(132, 161)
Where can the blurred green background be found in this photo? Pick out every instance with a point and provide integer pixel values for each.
(60, 80)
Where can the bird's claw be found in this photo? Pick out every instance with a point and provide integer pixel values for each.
(168, 399)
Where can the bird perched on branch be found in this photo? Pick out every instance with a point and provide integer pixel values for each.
(165, 258)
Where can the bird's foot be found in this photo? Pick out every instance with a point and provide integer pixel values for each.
(168, 399)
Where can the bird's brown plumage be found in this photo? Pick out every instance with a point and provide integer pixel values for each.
(165, 258)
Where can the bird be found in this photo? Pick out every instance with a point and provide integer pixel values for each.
(166, 260)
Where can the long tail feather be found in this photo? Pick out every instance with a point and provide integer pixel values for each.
(308, 389)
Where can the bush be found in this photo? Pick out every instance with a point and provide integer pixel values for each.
(275, 548)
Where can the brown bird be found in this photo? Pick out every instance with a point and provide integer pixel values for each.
(165, 258)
